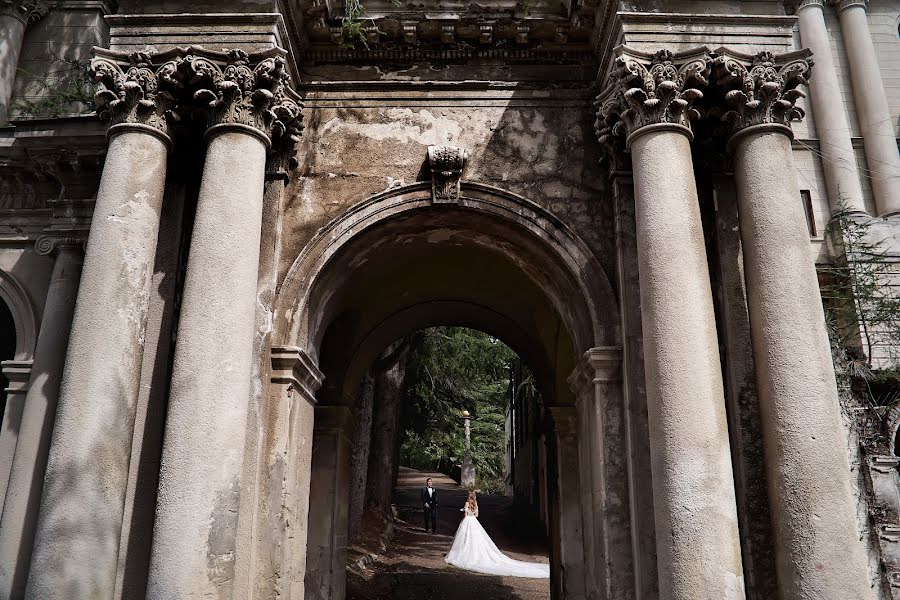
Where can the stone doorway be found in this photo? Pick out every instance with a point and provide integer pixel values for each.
(489, 260)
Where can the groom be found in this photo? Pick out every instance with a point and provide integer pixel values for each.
(430, 502)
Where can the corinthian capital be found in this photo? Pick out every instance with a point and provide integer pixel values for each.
(135, 89)
(762, 89)
(655, 88)
(235, 88)
(27, 11)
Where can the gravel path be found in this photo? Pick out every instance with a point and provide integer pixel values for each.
(413, 567)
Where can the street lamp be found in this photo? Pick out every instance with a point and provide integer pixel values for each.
(467, 475)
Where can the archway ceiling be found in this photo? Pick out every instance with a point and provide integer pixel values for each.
(444, 268)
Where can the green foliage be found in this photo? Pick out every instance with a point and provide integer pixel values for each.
(65, 88)
(353, 29)
(863, 308)
(451, 369)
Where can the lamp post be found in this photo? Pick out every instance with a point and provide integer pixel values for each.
(467, 475)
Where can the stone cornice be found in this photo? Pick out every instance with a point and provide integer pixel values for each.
(293, 367)
(231, 87)
(27, 11)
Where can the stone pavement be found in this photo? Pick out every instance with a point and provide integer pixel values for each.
(414, 567)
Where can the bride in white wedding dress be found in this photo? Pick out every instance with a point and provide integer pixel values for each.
(474, 550)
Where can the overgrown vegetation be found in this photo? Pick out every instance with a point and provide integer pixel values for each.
(64, 89)
(863, 310)
(451, 369)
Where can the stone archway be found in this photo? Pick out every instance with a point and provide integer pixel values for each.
(492, 260)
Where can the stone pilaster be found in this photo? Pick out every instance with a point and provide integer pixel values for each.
(296, 380)
(838, 158)
(79, 527)
(18, 372)
(818, 550)
(570, 582)
(15, 16)
(597, 384)
(249, 109)
(326, 559)
(876, 122)
(697, 536)
(20, 511)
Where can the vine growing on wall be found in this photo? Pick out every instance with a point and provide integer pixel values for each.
(862, 307)
(65, 88)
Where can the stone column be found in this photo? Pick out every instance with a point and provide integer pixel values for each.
(838, 158)
(18, 372)
(818, 549)
(194, 537)
(698, 544)
(326, 557)
(570, 580)
(79, 526)
(876, 122)
(597, 384)
(26, 480)
(15, 15)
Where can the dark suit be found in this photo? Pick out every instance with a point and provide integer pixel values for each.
(430, 502)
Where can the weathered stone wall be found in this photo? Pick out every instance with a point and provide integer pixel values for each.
(362, 139)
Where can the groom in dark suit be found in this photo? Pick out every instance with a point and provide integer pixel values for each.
(430, 502)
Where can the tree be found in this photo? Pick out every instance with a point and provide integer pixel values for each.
(451, 369)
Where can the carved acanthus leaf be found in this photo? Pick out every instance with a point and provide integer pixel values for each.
(241, 92)
(763, 90)
(136, 91)
(447, 164)
(662, 89)
(27, 11)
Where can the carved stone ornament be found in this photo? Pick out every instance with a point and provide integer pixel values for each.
(132, 89)
(27, 11)
(650, 89)
(252, 91)
(50, 243)
(229, 87)
(447, 164)
(762, 89)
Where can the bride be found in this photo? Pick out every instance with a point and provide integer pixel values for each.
(474, 550)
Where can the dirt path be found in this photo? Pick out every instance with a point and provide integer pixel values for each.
(414, 567)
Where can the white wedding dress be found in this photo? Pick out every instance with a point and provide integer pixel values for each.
(474, 550)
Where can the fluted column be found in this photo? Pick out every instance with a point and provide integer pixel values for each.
(79, 526)
(818, 548)
(26, 479)
(698, 546)
(838, 159)
(876, 123)
(15, 15)
(194, 538)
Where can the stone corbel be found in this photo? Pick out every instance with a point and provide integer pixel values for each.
(293, 367)
(447, 164)
(762, 89)
(27, 11)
